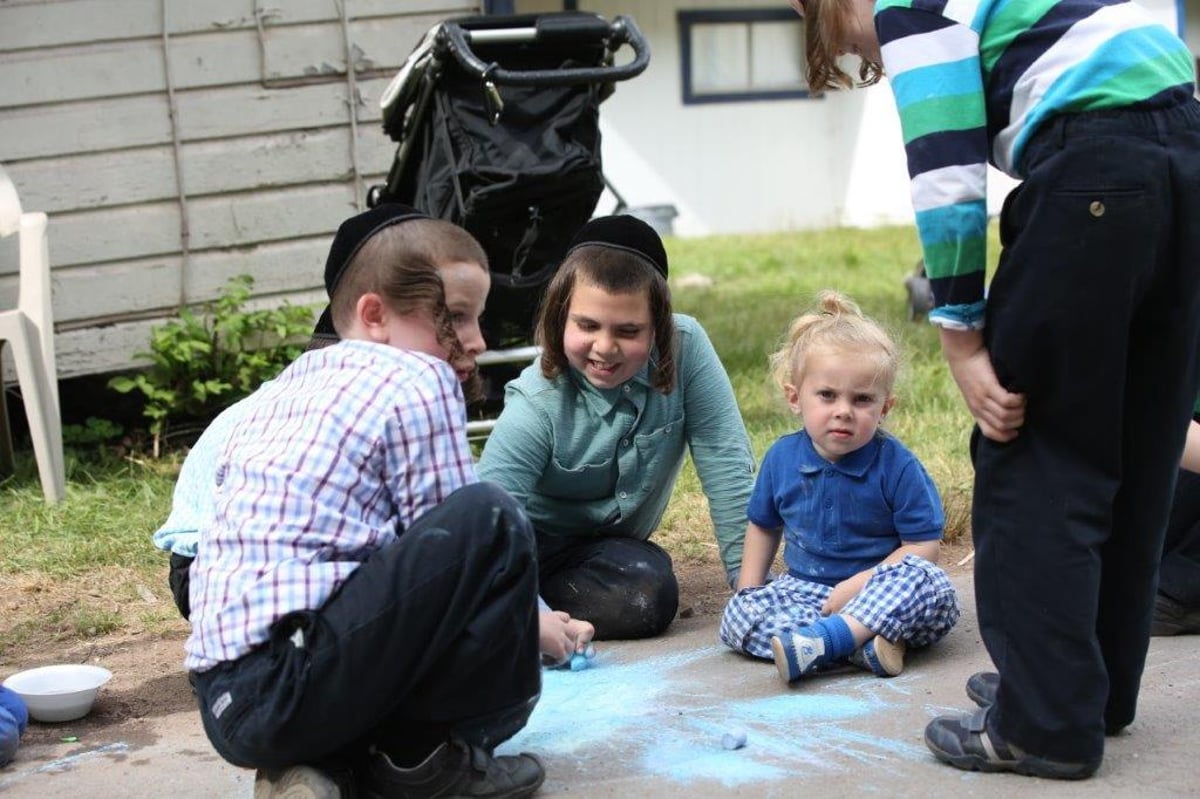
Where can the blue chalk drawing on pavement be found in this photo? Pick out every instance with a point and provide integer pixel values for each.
(650, 716)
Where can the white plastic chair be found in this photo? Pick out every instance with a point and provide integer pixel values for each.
(29, 328)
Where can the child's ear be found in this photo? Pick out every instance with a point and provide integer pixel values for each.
(888, 404)
(792, 394)
(372, 314)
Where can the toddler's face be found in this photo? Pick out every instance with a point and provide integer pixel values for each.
(608, 336)
(841, 402)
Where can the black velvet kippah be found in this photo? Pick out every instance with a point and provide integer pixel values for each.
(351, 236)
(623, 232)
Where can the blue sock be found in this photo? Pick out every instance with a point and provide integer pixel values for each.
(839, 641)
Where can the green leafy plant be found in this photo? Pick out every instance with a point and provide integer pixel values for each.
(92, 433)
(205, 360)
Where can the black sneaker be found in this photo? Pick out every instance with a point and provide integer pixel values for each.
(965, 742)
(1174, 618)
(454, 769)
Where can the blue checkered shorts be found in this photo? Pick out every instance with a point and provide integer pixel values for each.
(912, 601)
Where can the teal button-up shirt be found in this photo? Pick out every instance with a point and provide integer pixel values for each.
(603, 462)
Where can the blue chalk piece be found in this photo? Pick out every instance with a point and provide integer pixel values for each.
(734, 739)
(579, 662)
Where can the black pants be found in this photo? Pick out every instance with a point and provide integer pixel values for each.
(624, 587)
(434, 635)
(180, 582)
(1179, 574)
(1094, 313)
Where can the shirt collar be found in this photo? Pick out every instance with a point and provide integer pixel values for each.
(854, 465)
(602, 401)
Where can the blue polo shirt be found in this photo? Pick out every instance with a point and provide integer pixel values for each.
(840, 518)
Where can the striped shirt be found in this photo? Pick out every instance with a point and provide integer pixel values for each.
(334, 458)
(974, 79)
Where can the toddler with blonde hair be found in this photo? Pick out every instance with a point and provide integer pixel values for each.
(860, 519)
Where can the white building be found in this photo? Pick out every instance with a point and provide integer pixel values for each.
(175, 143)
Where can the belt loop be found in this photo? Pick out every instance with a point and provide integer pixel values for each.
(1160, 126)
(1060, 130)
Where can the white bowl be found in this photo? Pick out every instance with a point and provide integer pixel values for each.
(59, 693)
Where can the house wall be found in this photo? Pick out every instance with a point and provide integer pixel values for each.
(175, 144)
(760, 166)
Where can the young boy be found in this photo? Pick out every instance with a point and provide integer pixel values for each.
(362, 615)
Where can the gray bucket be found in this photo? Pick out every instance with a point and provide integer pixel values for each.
(659, 217)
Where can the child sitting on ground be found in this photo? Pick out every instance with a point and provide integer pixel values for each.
(860, 519)
(192, 504)
(363, 612)
(592, 437)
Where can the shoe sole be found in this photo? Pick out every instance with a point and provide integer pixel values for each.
(781, 660)
(890, 656)
(299, 782)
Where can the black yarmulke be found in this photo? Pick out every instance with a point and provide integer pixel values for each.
(351, 236)
(623, 232)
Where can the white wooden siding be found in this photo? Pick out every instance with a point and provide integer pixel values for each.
(266, 156)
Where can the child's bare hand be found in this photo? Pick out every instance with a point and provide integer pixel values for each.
(842, 593)
(998, 412)
(560, 636)
(582, 632)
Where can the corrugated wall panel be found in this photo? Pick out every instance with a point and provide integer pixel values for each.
(261, 138)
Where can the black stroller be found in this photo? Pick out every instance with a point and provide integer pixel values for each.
(497, 119)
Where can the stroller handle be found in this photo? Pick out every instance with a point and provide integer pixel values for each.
(623, 30)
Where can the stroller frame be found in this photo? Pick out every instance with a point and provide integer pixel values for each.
(497, 124)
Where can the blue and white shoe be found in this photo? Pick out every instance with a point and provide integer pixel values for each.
(881, 657)
(798, 654)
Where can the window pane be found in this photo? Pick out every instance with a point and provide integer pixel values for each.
(777, 55)
(720, 58)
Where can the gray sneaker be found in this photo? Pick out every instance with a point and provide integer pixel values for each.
(297, 782)
(454, 769)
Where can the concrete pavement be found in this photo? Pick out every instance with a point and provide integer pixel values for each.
(647, 720)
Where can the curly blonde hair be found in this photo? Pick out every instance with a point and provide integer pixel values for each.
(835, 324)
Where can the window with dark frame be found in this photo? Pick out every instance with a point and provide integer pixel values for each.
(737, 55)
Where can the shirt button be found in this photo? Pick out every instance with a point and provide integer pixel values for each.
(625, 442)
(829, 503)
(1097, 208)
(622, 495)
(668, 428)
(626, 389)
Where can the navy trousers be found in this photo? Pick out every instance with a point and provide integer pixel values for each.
(1179, 574)
(1094, 313)
(434, 635)
(625, 587)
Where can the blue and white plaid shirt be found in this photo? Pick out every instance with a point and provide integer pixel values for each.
(334, 458)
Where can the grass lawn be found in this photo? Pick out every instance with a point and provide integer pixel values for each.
(86, 567)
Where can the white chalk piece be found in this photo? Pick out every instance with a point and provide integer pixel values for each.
(734, 739)
(579, 662)
(590, 652)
